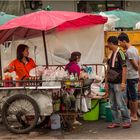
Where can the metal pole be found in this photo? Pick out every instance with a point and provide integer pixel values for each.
(45, 48)
(0, 66)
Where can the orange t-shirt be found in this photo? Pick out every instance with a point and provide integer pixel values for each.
(22, 70)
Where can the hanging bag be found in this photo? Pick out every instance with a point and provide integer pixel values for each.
(113, 75)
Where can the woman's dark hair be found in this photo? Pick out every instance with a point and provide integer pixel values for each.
(123, 37)
(113, 40)
(20, 50)
(74, 56)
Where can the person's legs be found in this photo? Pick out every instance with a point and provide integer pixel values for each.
(134, 108)
(113, 103)
(131, 108)
(133, 97)
(122, 104)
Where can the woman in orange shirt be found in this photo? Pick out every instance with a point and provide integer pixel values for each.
(22, 64)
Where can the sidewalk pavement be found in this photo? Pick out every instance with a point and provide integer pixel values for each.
(88, 130)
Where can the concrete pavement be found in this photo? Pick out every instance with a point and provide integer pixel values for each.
(88, 130)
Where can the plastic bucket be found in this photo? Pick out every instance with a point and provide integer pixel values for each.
(93, 114)
(102, 109)
(108, 112)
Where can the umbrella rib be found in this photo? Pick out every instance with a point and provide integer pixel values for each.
(9, 34)
(26, 33)
(13, 33)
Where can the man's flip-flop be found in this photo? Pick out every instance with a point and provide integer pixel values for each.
(113, 125)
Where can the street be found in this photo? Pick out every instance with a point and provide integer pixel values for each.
(88, 130)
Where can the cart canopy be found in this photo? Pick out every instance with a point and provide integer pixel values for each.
(30, 25)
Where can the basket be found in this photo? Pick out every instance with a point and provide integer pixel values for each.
(93, 114)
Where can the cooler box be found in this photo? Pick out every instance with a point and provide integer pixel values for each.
(102, 108)
(93, 114)
(108, 112)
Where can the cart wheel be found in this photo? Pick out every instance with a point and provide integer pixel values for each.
(20, 113)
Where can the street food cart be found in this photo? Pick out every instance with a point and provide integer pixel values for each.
(24, 107)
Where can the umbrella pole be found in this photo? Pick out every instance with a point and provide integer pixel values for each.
(45, 48)
(0, 66)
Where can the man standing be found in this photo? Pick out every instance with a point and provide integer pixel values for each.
(132, 74)
(117, 85)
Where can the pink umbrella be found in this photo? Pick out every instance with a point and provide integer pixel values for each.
(38, 23)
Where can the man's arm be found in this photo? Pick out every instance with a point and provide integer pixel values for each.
(124, 70)
(134, 64)
(122, 61)
(123, 83)
(131, 57)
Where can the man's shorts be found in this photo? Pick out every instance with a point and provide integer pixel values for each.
(132, 89)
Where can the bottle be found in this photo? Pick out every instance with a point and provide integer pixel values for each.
(10, 81)
(30, 81)
(55, 121)
(72, 78)
(76, 76)
(17, 83)
(6, 80)
(76, 83)
(66, 75)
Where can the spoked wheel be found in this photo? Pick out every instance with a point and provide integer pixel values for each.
(20, 113)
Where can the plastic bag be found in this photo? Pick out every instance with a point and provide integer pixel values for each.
(88, 101)
(84, 107)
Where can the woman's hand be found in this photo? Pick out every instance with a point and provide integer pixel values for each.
(123, 86)
(8, 68)
(83, 75)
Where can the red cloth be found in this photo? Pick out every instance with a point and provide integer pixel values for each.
(73, 67)
(22, 71)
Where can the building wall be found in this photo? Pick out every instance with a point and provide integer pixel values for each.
(71, 5)
(16, 6)
(132, 6)
(62, 5)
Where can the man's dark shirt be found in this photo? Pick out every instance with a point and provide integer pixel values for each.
(120, 62)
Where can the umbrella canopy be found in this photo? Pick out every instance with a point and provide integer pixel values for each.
(35, 23)
(127, 19)
(5, 17)
(31, 24)
(110, 24)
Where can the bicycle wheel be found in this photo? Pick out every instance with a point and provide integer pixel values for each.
(20, 113)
